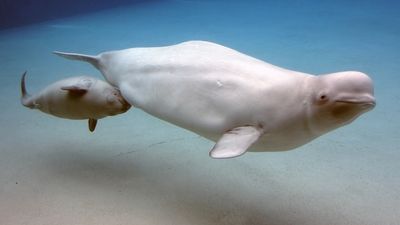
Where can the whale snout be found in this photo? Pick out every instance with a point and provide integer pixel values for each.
(362, 104)
(368, 105)
(116, 104)
(368, 102)
(125, 106)
(365, 101)
(352, 87)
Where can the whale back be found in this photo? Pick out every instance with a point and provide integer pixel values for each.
(192, 58)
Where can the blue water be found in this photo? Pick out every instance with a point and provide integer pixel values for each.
(136, 169)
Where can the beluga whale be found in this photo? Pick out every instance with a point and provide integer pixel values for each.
(76, 98)
(240, 102)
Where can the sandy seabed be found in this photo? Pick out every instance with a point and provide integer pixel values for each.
(136, 169)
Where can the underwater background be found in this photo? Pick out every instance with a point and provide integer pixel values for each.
(137, 169)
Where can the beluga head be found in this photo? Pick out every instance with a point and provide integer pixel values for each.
(337, 99)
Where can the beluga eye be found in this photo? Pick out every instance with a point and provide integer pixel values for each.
(322, 98)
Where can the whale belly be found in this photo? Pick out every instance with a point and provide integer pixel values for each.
(204, 103)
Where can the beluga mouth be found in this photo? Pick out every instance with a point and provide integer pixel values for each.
(365, 103)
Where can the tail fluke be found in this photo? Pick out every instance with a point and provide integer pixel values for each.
(94, 60)
(25, 97)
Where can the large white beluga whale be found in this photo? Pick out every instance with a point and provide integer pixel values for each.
(240, 102)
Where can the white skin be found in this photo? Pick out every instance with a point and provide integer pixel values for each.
(238, 101)
(77, 98)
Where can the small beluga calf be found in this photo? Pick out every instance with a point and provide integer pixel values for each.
(77, 98)
(240, 102)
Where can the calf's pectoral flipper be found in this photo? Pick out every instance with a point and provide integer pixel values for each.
(78, 88)
(92, 124)
(75, 90)
(235, 142)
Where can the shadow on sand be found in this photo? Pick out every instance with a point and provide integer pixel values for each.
(179, 189)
